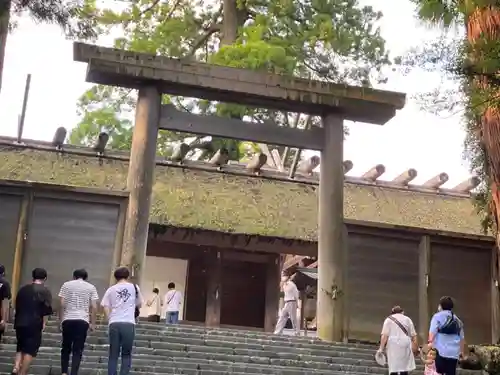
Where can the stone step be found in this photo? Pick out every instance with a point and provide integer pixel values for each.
(169, 367)
(268, 352)
(210, 339)
(219, 353)
(260, 363)
(201, 357)
(36, 369)
(196, 331)
(182, 349)
(40, 368)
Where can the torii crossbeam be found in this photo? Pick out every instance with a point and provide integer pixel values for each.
(155, 75)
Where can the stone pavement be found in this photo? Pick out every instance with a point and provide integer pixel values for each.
(195, 350)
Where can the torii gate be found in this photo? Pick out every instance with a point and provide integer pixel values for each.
(155, 75)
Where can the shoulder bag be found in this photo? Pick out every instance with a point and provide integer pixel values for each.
(414, 346)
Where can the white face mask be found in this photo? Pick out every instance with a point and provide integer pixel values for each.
(439, 308)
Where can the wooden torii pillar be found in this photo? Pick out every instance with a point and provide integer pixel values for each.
(155, 75)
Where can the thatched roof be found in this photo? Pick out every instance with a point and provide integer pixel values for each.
(239, 204)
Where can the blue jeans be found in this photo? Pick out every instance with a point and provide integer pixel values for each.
(172, 317)
(121, 340)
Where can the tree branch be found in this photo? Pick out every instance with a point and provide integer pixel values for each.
(149, 8)
(202, 39)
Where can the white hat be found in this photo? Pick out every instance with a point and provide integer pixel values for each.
(380, 358)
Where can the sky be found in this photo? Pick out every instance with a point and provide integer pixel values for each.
(413, 139)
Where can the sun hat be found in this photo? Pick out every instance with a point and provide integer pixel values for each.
(380, 358)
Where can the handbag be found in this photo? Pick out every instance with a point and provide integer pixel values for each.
(137, 310)
(414, 346)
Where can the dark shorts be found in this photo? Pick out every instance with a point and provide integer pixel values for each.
(446, 366)
(29, 340)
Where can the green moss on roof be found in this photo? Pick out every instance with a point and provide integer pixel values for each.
(238, 204)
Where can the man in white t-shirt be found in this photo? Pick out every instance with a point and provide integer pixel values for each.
(120, 302)
(77, 314)
(173, 300)
(289, 310)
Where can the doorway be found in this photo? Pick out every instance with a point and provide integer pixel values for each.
(196, 290)
(243, 297)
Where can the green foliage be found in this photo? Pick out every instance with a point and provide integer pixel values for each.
(72, 16)
(332, 40)
(472, 61)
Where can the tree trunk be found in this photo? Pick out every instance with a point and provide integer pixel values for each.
(230, 22)
(4, 32)
(484, 24)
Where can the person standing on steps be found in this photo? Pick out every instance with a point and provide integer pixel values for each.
(5, 297)
(155, 304)
(173, 300)
(120, 303)
(77, 314)
(289, 310)
(399, 340)
(446, 335)
(33, 307)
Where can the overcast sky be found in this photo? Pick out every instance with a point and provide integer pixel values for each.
(413, 139)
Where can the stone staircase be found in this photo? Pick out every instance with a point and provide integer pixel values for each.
(198, 351)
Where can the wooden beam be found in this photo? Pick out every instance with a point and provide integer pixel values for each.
(292, 261)
(140, 180)
(313, 264)
(175, 120)
(187, 78)
(120, 230)
(242, 256)
(495, 296)
(424, 271)
(273, 274)
(22, 236)
(214, 289)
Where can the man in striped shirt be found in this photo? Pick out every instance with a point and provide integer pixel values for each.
(77, 314)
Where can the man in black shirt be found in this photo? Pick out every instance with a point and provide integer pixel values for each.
(5, 297)
(33, 306)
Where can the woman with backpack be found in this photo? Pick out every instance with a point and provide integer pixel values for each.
(446, 335)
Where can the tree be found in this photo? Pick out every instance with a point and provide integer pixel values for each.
(475, 62)
(333, 40)
(71, 16)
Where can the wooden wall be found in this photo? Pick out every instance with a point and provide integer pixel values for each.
(382, 273)
(465, 274)
(60, 229)
(396, 268)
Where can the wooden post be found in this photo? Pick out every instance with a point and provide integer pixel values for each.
(140, 179)
(272, 293)
(303, 299)
(424, 271)
(22, 236)
(120, 229)
(345, 305)
(495, 297)
(331, 247)
(214, 287)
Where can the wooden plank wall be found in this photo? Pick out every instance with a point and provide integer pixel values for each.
(60, 229)
(464, 273)
(382, 273)
(415, 272)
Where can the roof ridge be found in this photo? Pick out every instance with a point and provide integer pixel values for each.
(305, 173)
